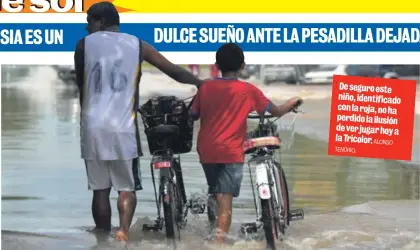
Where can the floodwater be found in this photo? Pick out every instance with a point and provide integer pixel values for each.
(349, 203)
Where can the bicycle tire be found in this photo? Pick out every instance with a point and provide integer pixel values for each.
(283, 190)
(179, 181)
(170, 208)
(212, 211)
(269, 223)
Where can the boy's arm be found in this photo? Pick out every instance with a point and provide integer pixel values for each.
(262, 104)
(195, 108)
(282, 109)
(179, 74)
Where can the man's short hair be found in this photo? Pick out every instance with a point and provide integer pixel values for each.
(229, 58)
(105, 10)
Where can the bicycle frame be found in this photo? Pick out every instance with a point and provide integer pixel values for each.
(264, 179)
(268, 183)
(162, 161)
(168, 164)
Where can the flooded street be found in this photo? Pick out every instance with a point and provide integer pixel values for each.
(349, 203)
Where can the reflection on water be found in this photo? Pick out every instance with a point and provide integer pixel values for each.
(13, 72)
(44, 185)
(323, 182)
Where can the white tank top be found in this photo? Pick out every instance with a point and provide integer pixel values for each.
(109, 96)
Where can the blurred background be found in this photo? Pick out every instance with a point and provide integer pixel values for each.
(350, 203)
(292, 74)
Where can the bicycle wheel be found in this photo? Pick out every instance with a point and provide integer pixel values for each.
(179, 180)
(283, 190)
(269, 223)
(212, 211)
(170, 207)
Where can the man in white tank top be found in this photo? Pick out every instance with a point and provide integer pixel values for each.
(108, 69)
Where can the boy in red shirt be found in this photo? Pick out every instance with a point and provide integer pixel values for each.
(222, 105)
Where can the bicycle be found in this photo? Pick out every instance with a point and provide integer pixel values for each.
(272, 199)
(168, 127)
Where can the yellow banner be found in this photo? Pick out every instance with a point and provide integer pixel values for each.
(214, 6)
(269, 6)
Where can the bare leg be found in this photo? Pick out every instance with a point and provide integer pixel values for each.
(126, 206)
(224, 202)
(101, 209)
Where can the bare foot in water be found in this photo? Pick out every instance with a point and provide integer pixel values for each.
(101, 235)
(121, 236)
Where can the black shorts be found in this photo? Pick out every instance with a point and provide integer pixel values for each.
(224, 178)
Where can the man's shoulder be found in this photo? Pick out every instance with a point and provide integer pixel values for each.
(129, 36)
(100, 35)
(80, 44)
(90, 38)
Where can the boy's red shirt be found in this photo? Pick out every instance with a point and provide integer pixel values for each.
(223, 106)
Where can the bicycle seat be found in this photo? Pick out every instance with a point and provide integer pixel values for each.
(271, 142)
(164, 130)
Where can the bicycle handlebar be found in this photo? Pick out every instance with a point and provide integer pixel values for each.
(268, 116)
(257, 116)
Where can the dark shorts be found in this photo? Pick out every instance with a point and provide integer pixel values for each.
(224, 178)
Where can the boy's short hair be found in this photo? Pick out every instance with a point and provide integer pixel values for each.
(229, 58)
(105, 10)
